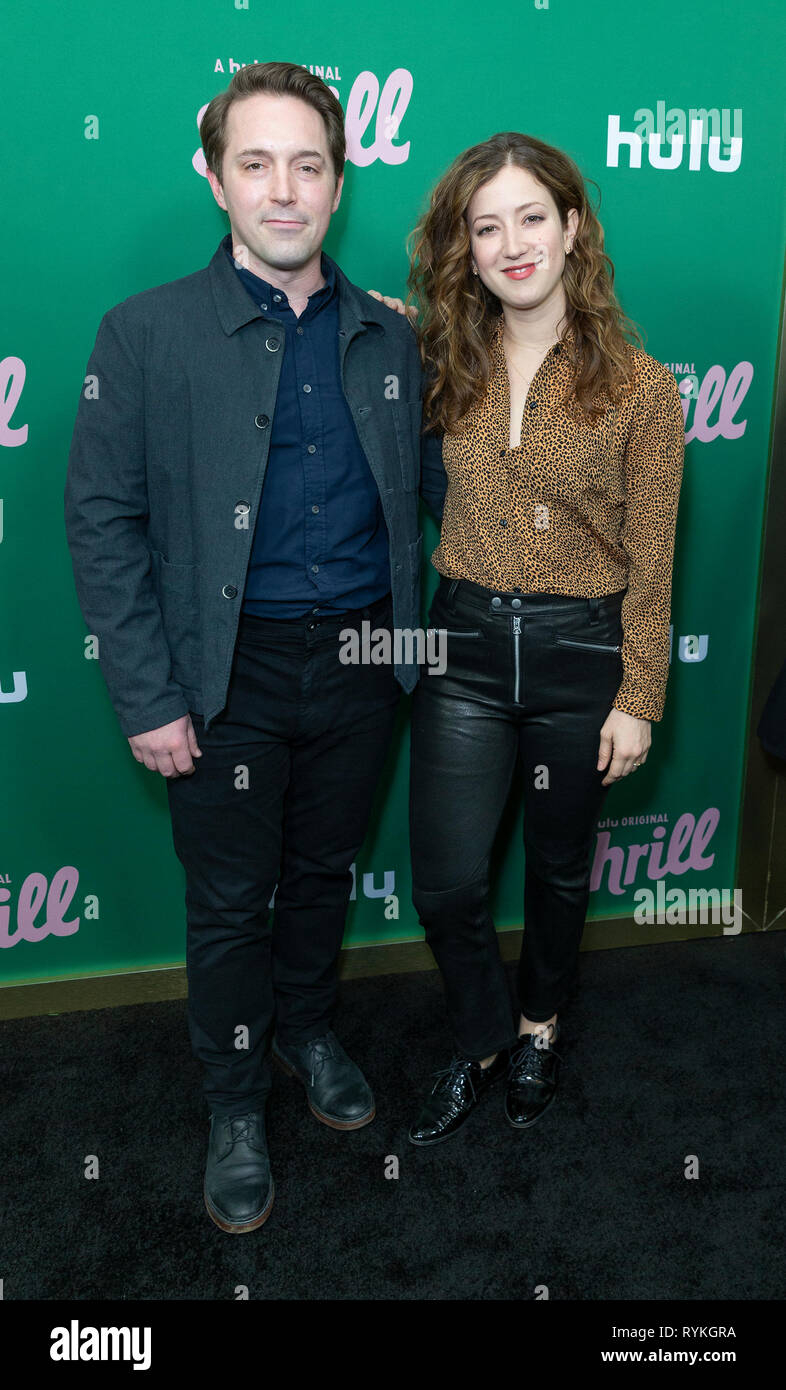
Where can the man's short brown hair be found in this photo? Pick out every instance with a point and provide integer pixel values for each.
(281, 79)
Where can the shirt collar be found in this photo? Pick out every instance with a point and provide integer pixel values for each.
(272, 296)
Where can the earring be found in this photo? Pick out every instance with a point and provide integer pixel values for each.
(474, 270)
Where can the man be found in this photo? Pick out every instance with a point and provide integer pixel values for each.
(243, 487)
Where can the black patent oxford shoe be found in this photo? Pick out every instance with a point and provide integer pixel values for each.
(454, 1095)
(532, 1078)
(238, 1186)
(338, 1093)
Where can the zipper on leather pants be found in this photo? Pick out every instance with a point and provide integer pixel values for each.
(593, 646)
(516, 659)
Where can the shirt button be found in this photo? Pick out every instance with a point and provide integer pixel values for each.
(307, 389)
(229, 591)
(502, 453)
(502, 521)
(312, 448)
(300, 331)
(263, 306)
(532, 404)
(315, 569)
(276, 298)
(272, 344)
(261, 421)
(315, 509)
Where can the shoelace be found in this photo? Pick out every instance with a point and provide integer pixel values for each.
(446, 1077)
(533, 1055)
(319, 1058)
(241, 1127)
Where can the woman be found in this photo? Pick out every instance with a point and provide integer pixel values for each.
(560, 470)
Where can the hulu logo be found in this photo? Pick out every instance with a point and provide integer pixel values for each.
(669, 130)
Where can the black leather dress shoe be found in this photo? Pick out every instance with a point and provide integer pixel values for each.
(455, 1093)
(238, 1183)
(532, 1078)
(338, 1093)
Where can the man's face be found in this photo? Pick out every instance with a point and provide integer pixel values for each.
(277, 182)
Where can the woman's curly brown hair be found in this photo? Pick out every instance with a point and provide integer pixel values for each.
(458, 314)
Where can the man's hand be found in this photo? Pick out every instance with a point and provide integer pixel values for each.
(397, 304)
(628, 739)
(169, 750)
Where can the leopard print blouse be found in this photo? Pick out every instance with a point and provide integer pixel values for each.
(579, 509)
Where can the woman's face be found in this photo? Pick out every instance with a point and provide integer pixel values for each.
(517, 241)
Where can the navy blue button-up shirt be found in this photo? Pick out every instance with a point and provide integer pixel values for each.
(320, 541)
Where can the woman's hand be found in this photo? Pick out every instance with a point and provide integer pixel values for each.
(393, 303)
(626, 741)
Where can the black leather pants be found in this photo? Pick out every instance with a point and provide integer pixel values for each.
(530, 679)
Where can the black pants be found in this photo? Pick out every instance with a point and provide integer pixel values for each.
(530, 679)
(281, 796)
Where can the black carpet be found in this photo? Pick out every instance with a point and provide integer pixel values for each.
(670, 1051)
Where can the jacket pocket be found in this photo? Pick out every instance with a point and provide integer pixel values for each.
(176, 587)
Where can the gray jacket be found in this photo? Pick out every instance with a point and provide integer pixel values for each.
(169, 451)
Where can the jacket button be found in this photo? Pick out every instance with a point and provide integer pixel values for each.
(496, 602)
(272, 344)
(229, 591)
(261, 421)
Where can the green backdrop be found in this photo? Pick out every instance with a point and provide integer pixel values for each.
(103, 199)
